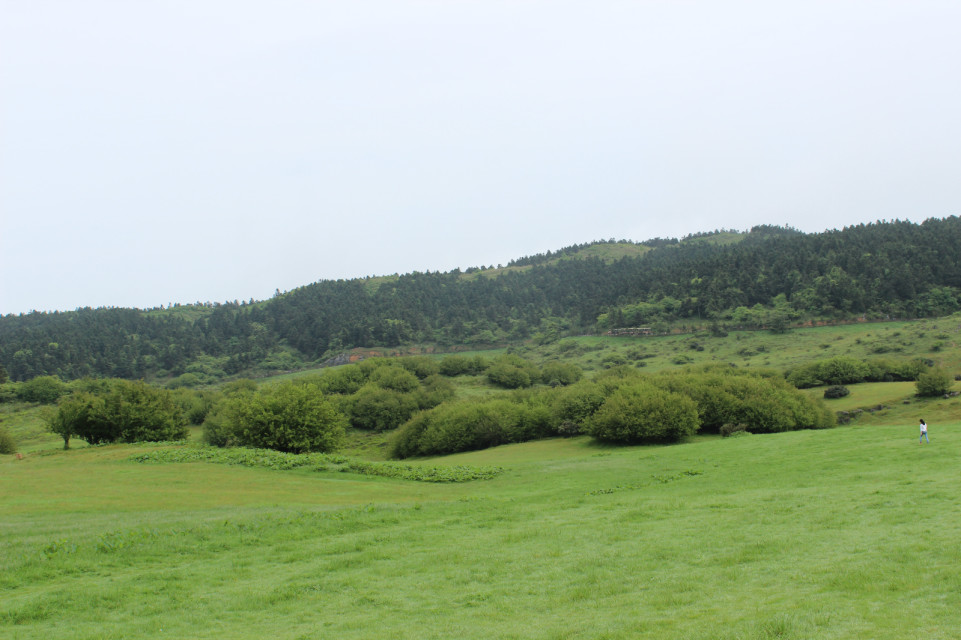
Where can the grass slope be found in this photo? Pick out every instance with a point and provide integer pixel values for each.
(846, 533)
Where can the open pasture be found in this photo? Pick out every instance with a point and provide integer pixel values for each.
(843, 533)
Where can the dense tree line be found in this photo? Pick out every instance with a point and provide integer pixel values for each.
(769, 277)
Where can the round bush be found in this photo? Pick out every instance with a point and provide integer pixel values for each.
(290, 417)
(560, 374)
(381, 409)
(7, 444)
(934, 382)
(836, 391)
(42, 389)
(643, 413)
(395, 379)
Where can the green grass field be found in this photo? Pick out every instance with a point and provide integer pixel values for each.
(845, 533)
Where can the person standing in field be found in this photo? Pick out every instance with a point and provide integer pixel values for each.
(924, 432)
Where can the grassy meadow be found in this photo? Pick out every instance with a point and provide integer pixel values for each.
(841, 533)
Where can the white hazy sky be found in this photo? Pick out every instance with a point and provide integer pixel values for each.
(182, 150)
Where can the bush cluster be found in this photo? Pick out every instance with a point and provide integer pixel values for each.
(620, 405)
(378, 394)
(845, 370)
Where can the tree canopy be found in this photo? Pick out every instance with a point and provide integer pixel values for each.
(768, 277)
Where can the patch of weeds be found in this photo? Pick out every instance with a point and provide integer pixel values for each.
(676, 476)
(278, 460)
(662, 479)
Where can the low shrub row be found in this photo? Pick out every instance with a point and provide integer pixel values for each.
(846, 370)
(620, 405)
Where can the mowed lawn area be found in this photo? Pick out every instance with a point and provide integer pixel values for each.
(851, 532)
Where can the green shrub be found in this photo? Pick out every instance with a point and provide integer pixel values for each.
(343, 380)
(459, 426)
(616, 377)
(217, 431)
(42, 389)
(512, 372)
(614, 359)
(760, 398)
(420, 366)
(845, 370)
(127, 411)
(8, 392)
(575, 405)
(195, 404)
(185, 380)
(434, 390)
(836, 391)
(729, 430)
(535, 417)
(394, 378)
(7, 443)
(241, 385)
(381, 409)
(643, 413)
(934, 382)
(456, 365)
(291, 416)
(560, 373)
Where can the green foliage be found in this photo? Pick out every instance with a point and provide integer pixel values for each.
(185, 380)
(459, 426)
(379, 409)
(614, 359)
(394, 378)
(574, 405)
(343, 380)
(125, 411)
(282, 461)
(896, 269)
(217, 430)
(195, 404)
(555, 373)
(242, 385)
(456, 365)
(435, 389)
(836, 391)
(421, 366)
(8, 444)
(643, 413)
(846, 370)
(290, 416)
(934, 382)
(42, 389)
(8, 392)
(511, 371)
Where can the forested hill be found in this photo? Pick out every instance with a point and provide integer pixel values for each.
(770, 276)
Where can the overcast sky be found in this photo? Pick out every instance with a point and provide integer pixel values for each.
(211, 150)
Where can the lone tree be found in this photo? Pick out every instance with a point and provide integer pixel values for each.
(126, 411)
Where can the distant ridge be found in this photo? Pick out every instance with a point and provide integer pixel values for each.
(769, 276)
